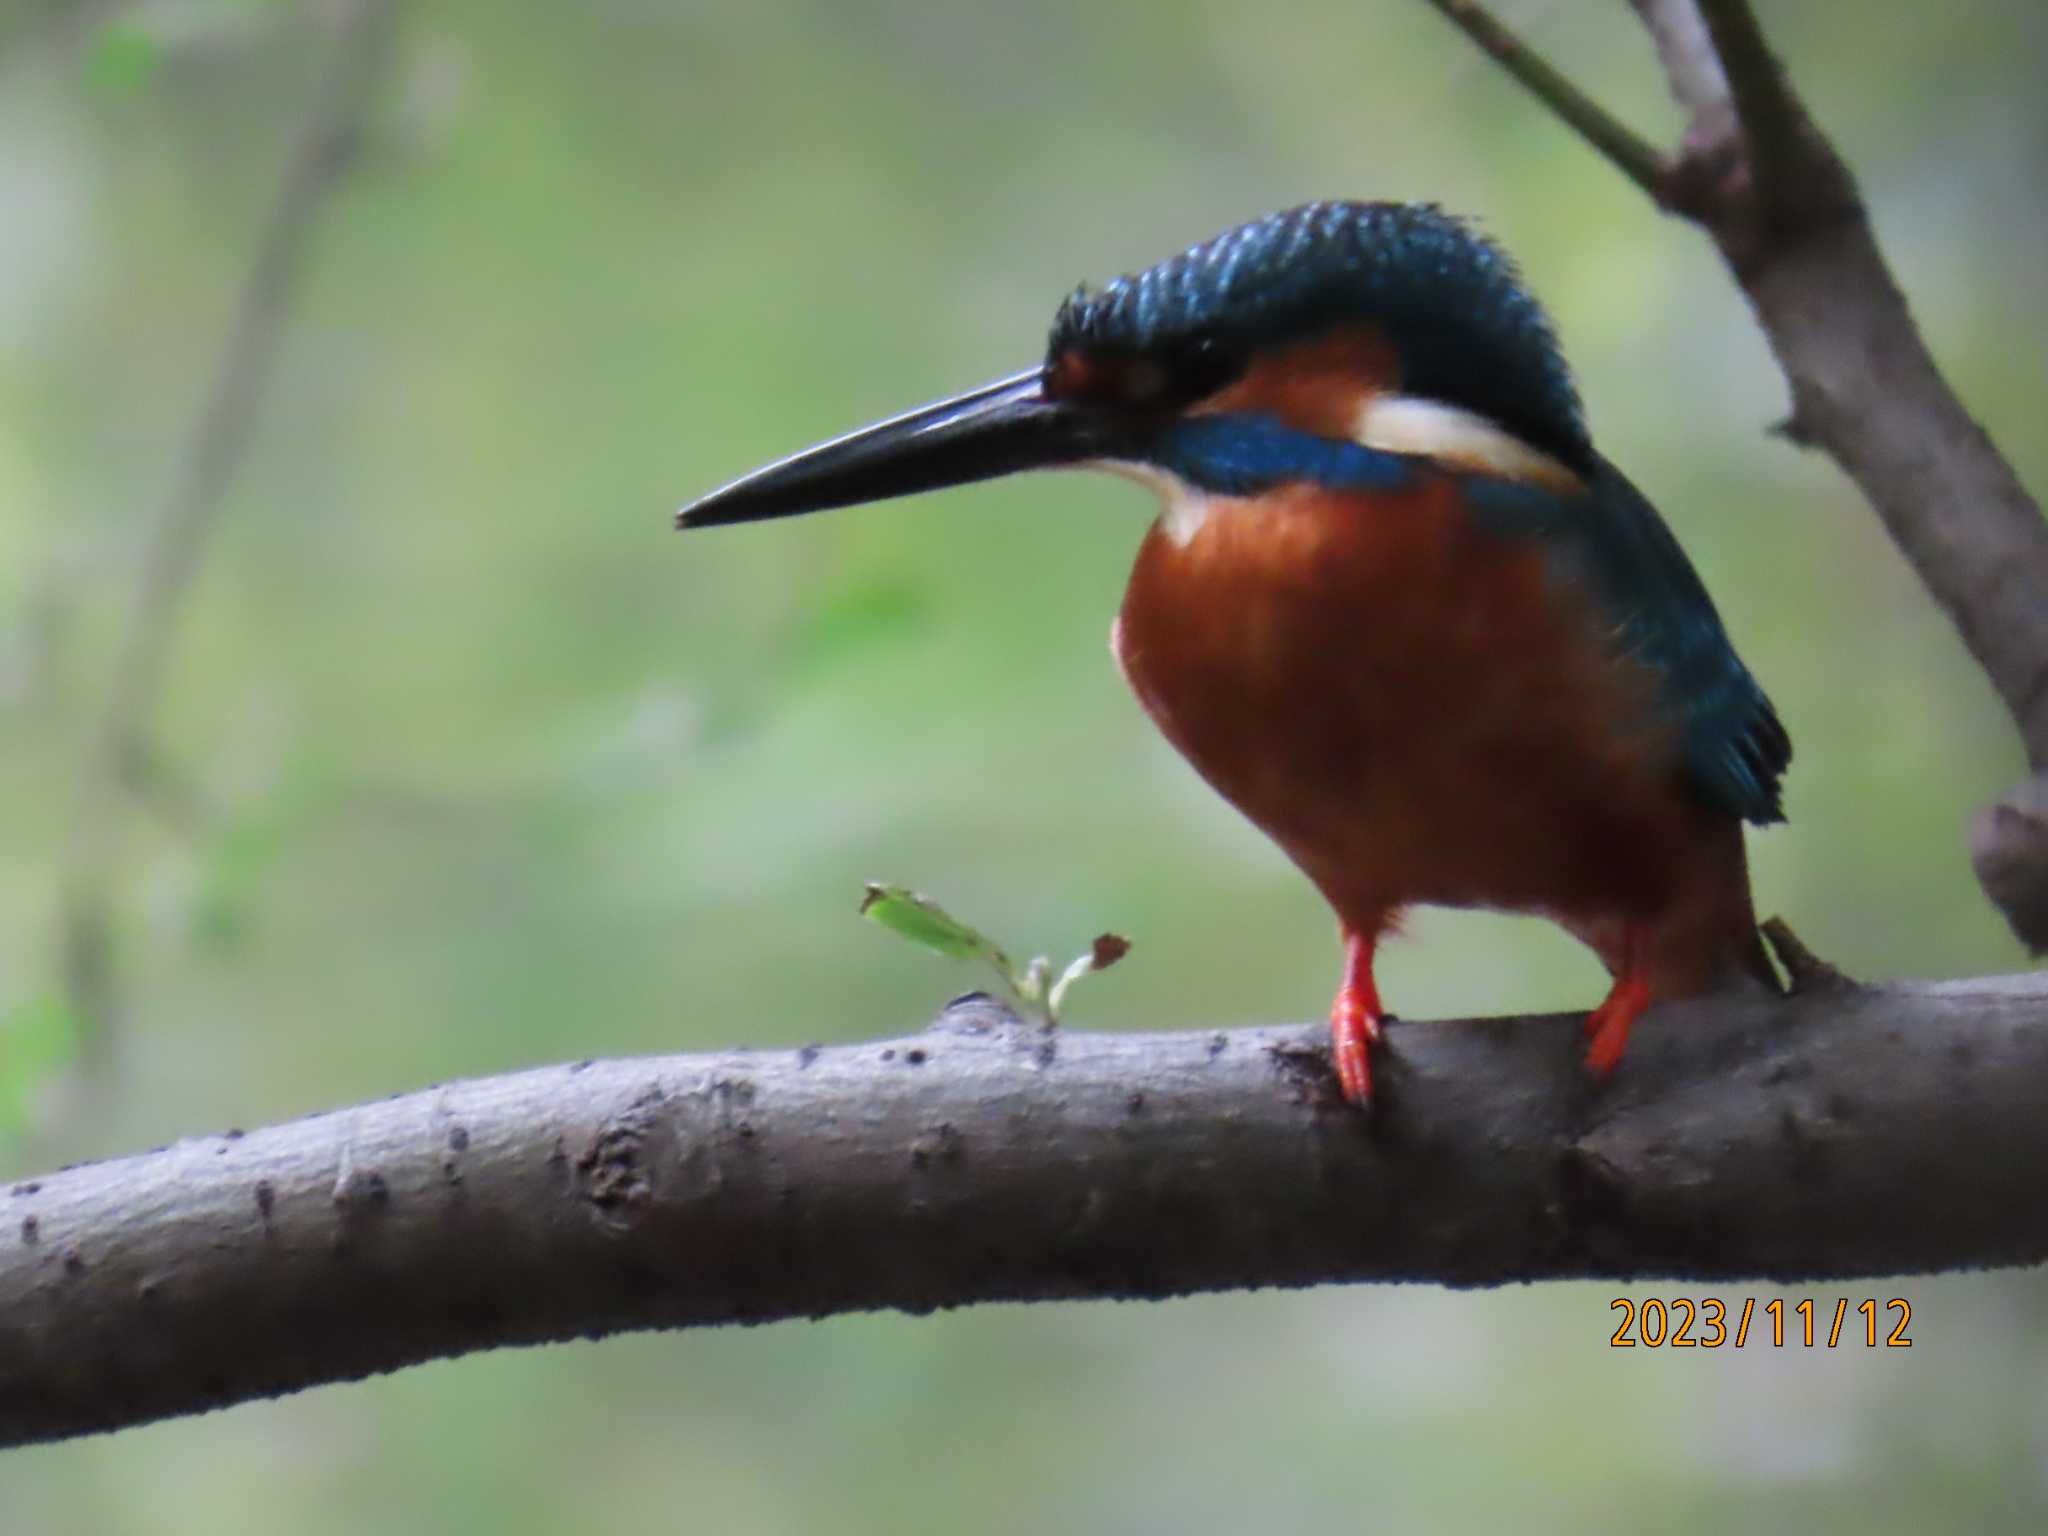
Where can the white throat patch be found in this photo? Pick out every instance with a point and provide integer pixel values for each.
(1183, 508)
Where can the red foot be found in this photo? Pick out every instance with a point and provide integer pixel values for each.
(1355, 1021)
(1608, 1025)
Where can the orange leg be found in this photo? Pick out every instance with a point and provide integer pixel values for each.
(1608, 1025)
(1355, 1019)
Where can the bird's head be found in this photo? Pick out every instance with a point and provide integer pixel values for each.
(1337, 343)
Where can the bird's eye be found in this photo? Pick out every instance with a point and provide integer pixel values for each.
(1201, 367)
(1162, 380)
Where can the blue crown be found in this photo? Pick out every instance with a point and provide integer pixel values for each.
(1450, 303)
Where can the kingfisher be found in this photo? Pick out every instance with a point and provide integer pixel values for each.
(1395, 606)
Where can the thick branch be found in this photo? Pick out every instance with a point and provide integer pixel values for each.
(1842, 1132)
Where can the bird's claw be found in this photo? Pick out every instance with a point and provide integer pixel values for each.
(1608, 1025)
(1354, 1030)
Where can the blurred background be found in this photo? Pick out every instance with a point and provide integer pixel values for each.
(453, 759)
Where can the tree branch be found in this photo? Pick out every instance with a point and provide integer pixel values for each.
(1691, 67)
(1782, 140)
(177, 535)
(1634, 156)
(1761, 178)
(1839, 1133)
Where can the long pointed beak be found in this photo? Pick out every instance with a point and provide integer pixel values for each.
(998, 429)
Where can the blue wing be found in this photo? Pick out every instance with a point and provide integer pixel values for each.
(1613, 542)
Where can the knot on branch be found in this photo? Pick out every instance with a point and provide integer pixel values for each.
(614, 1170)
(1758, 206)
(2009, 850)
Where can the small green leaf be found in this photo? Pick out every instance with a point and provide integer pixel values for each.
(923, 921)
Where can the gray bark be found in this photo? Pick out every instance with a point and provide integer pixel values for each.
(1842, 1132)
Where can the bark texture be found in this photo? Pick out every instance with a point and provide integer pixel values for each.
(1841, 1132)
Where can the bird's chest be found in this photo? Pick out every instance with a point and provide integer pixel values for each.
(1400, 698)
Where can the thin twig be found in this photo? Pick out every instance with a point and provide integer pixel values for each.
(1807, 970)
(1773, 121)
(1633, 155)
(177, 535)
(1687, 51)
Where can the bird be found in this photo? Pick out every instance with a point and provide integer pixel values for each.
(1395, 606)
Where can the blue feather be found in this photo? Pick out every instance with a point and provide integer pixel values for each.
(1611, 541)
(1465, 332)
(1242, 453)
(1449, 302)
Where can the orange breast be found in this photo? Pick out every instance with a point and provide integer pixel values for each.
(1415, 709)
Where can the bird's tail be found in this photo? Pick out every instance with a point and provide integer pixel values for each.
(1705, 940)
(1708, 941)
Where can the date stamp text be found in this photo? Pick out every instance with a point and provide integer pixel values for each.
(1682, 1322)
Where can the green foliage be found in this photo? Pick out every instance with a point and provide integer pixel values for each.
(923, 921)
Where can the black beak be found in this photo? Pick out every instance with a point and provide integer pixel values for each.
(995, 430)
